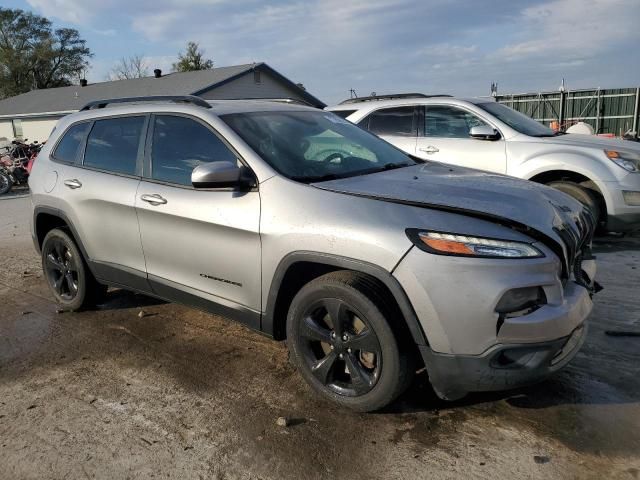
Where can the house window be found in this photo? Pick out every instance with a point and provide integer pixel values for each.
(256, 76)
(17, 128)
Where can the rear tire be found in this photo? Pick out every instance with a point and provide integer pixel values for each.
(5, 183)
(583, 195)
(71, 282)
(356, 361)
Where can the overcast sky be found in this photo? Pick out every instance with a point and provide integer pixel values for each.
(431, 46)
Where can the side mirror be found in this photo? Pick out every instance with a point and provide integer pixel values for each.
(221, 175)
(484, 132)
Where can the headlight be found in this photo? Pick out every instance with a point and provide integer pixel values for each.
(467, 246)
(629, 161)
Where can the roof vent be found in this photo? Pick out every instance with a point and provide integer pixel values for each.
(83, 82)
(157, 73)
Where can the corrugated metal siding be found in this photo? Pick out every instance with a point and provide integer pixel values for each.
(606, 110)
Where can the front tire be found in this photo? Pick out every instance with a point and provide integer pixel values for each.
(341, 340)
(68, 277)
(583, 195)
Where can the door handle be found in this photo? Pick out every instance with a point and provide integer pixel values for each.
(153, 198)
(73, 183)
(429, 150)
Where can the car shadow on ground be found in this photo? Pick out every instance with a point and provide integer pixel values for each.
(118, 299)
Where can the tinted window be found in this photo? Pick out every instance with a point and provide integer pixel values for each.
(449, 122)
(392, 121)
(343, 113)
(113, 144)
(67, 149)
(312, 146)
(180, 145)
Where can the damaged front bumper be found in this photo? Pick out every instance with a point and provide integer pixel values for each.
(502, 367)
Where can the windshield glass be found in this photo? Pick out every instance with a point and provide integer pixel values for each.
(516, 120)
(313, 146)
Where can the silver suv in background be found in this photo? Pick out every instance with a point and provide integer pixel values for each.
(301, 225)
(480, 133)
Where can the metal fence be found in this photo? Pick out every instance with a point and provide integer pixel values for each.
(613, 110)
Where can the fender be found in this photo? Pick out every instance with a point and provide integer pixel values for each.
(379, 273)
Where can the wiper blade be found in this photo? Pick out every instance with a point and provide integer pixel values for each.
(393, 166)
(317, 178)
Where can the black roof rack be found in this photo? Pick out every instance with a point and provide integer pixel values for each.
(154, 98)
(390, 96)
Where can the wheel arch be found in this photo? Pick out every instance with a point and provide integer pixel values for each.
(298, 268)
(562, 175)
(46, 219)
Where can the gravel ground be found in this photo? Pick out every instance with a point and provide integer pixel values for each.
(175, 393)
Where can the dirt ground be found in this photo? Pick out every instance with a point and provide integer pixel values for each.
(175, 393)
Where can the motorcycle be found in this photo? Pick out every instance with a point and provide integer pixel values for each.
(16, 164)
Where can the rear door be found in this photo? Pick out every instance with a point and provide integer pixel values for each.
(202, 243)
(445, 138)
(100, 191)
(396, 125)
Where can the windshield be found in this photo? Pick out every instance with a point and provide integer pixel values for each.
(516, 120)
(313, 146)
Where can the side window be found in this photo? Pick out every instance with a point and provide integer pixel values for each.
(449, 122)
(67, 149)
(392, 121)
(181, 144)
(113, 144)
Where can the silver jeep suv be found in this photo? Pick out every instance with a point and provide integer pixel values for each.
(369, 262)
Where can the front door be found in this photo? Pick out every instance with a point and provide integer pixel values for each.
(203, 243)
(446, 139)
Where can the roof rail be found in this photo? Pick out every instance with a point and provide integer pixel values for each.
(390, 96)
(154, 98)
(283, 100)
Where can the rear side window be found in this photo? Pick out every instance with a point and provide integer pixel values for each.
(391, 121)
(343, 113)
(67, 149)
(113, 144)
(180, 144)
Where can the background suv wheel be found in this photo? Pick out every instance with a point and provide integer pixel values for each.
(69, 279)
(343, 344)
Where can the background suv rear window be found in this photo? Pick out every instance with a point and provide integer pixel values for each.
(113, 144)
(392, 121)
(67, 149)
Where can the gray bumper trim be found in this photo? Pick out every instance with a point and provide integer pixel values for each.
(453, 376)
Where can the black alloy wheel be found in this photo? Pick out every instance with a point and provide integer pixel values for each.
(67, 274)
(341, 349)
(346, 337)
(61, 269)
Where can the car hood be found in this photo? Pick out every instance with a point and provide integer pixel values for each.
(543, 213)
(593, 141)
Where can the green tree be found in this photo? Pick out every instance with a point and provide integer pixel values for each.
(192, 59)
(34, 55)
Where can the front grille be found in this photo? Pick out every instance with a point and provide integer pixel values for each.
(576, 234)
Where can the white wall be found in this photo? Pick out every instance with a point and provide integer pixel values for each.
(6, 130)
(32, 128)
